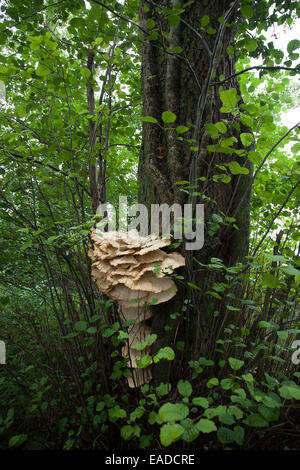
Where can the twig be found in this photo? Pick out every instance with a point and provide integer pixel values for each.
(255, 67)
(48, 165)
(120, 16)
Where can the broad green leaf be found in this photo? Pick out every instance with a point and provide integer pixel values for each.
(80, 325)
(256, 420)
(173, 20)
(200, 401)
(184, 388)
(164, 353)
(205, 425)
(290, 390)
(92, 330)
(17, 441)
(150, 119)
(116, 413)
(269, 280)
(251, 45)
(144, 361)
(168, 117)
(193, 286)
(150, 23)
(221, 126)
(293, 45)
(213, 382)
(246, 139)
(290, 270)
(230, 98)
(85, 72)
(205, 20)
(170, 433)
(235, 364)
(237, 169)
(247, 11)
(269, 414)
(182, 129)
(42, 70)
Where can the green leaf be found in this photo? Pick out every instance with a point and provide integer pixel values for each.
(17, 441)
(246, 139)
(269, 414)
(251, 45)
(235, 364)
(163, 389)
(293, 45)
(230, 98)
(227, 384)
(173, 20)
(237, 169)
(116, 413)
(150, 23)
(269, 280)
(221, 126)
(168, 117)
(225, 435)
(173, 411)
(205, 20)
(213, 382)
(256, 420)
(85, 72)
(184, 388)
(211, 31)
(205, 425)
(144, 361)
(177, 50)
(164, 353)
(200, 401)
(238, 435)
(290, 270)
(230, 51)
(92, 330)
(182, 129)
(126, 432)
(42, 70)
(70, 335)
(193, 286)
(290, 390)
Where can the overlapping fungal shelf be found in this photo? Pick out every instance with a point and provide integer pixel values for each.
(123, 270)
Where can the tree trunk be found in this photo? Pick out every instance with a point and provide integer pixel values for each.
(182, 83)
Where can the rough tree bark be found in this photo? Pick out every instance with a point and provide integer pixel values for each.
(182, 84)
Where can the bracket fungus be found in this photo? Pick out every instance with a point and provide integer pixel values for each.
(131, 270)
